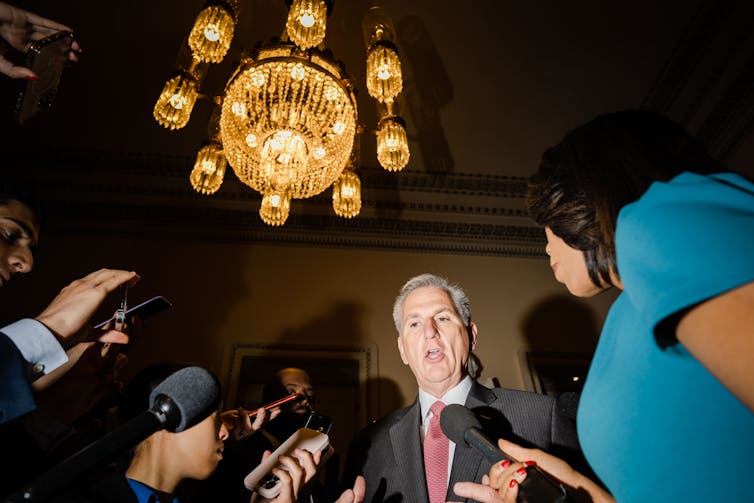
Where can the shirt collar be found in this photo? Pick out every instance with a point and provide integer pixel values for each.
(456, 395)
(144, 493)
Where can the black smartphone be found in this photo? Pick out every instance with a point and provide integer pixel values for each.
(145, 310)
(318, 422)
(47, 58)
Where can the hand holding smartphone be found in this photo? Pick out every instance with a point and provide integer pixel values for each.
(145, 310)
(263, 481)
(46, 58)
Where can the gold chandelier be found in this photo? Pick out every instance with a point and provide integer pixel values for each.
(287, 122)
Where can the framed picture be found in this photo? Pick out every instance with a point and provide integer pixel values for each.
(552, 373)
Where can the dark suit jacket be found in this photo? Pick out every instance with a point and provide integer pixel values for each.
(16, 397)
(389, 453)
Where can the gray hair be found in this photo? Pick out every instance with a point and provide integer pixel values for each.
(455, 292)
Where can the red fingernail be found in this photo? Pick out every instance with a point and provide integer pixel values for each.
(512, 484)
(32, 77)
(521, 471)
(505, 464)
(530, 463)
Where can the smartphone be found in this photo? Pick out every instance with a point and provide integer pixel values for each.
(294, 397)
(47, 58)
(318, 422)
(262, 480)
(145, 310)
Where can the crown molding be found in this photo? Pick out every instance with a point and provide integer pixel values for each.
(147, 195)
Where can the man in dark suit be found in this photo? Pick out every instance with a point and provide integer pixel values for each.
(435, 338)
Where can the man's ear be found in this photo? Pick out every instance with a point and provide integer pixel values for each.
(472, 335)
(400, 350)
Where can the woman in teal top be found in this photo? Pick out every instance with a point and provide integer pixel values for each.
(629, 200)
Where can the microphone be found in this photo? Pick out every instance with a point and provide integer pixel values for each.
(461, 426)
(179, 402)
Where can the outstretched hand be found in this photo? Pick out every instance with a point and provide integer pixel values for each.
(69, 313)
(19, 28)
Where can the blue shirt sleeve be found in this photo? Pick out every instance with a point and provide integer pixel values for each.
(683, 242)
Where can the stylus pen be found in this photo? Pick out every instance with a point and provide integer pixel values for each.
(294, 397)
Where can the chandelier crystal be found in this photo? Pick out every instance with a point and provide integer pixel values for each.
(275, 208)
(209, 169)
(177, 99)
(307, 22)
(346, 194)
(287, 121)
(392, 144)
(384, 76)
(212, 33)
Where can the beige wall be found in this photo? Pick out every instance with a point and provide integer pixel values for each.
(226, 293)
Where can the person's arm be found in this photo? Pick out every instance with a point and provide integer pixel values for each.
(16, 396)
(19, 28)
(62, 325)
(720, 334)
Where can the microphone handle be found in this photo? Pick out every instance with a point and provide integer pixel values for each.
(537, 487)
(57, 478)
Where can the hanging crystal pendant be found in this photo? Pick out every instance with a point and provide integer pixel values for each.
(212, 33)
(177, 99)
(346, 194)
(209, 169)
(392, 144)
(384, 76)
(307, 21)
(275, 208)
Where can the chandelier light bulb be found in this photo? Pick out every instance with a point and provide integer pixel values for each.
(384, 75)
(392, 144)
(209, 169)
(307, 21)
(212, 33)
(275, 208)
(346, 195)
(176, 101)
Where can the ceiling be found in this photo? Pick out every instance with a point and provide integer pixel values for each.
(488, 85)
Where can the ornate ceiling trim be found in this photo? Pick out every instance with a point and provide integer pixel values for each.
(149, 196)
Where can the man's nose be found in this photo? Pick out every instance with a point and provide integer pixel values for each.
(21, 260)
(430, 329)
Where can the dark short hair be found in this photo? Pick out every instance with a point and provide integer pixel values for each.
(13, 190)
(598, 168)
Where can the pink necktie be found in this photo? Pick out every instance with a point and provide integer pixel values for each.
(436, 457)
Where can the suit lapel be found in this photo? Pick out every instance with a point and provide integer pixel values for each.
(466, 460)
(406, 443)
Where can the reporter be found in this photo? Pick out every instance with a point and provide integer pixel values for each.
(32, 348)
(18, 29)
(630, 200)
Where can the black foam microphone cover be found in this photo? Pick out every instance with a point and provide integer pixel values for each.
(182, 400)
(193, 391)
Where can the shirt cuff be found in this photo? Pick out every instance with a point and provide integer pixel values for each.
(37, 345)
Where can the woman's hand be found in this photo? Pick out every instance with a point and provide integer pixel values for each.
(505, 478)
(19, 28)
